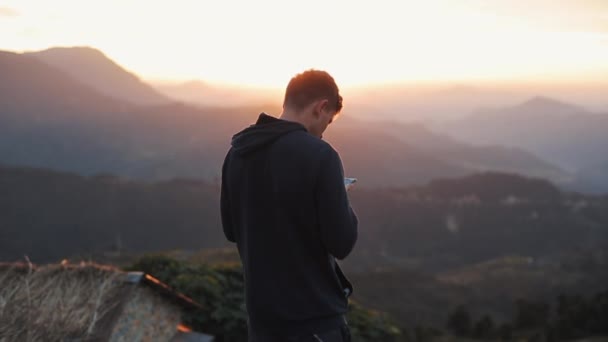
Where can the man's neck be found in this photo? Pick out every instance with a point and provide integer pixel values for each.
(294, 117)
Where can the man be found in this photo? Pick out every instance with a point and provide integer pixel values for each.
(284, 203)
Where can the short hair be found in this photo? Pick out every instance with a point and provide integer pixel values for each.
(312, 85)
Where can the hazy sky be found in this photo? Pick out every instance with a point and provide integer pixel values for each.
(264, 42)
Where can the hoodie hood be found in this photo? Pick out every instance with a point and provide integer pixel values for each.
(264, 132)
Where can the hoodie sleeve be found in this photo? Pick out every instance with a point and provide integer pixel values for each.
(337, 221)
(225, 205)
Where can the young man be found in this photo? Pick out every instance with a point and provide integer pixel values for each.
(284, 203)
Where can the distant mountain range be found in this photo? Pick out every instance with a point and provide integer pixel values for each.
(564, 134)
(96, 117)
(470, 156)
(593, 177)
(204, 94)
(30, 85)
(91, 67)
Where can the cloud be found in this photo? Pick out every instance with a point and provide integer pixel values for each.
(8, 12)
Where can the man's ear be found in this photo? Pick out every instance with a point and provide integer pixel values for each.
(320, 106)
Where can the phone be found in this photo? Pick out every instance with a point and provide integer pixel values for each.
(349, 182)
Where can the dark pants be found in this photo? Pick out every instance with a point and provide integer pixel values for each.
(341, 334)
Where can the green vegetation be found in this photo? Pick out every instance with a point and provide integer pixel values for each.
(574, 317)
(460, 322)
(467, 220)
(484, 240)
(219, 288)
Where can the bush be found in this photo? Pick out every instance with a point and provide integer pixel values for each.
(371, 325)
(220, 290)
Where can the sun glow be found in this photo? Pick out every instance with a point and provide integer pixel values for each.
(265, 42)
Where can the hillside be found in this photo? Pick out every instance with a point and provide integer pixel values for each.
(57, 122)
(473, 157)
(415, 135)
(483, 240)
(94, 134)
(102, 214)
(561, 133)
(204, 94)
(91, 67)
(593, 177)
(31, 86)
(469, 220)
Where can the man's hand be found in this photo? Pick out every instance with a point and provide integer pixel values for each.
(349, 183)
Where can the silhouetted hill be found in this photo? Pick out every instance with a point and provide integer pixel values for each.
(47, 119)
(494, 187)
(381, 160)
(28, 85)
(91, 67)
(593, 178)
(444, 224)
(438, 102)
(160, 142)
(50, 215)
(205, 94)
(483, 240)
(543, 106)
(469, 156)
(473, 219)
(424, 102)
(51, 120)
(560, 133)
(453, 153)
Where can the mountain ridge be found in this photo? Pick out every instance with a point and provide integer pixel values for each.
(564, 134)
(92, 67)
(181, 140)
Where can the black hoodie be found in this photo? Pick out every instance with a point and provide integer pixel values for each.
(284, 203)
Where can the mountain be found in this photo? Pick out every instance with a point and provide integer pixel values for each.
(561, 133)
(484, 240)
(155, 142)
(453, 222)
(470, 156)
(593, 178)
(49, 119)
(377, 159)
(50, 215)
(438, 102)
(421, 102)
(444, 224)
(30, 85)
(205, 94)
(91, 67)
(452, 153)
(105, 134)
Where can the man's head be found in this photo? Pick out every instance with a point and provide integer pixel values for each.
(313, 99)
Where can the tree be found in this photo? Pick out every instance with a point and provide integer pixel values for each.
(459, 322)
(505, 331)
(579, 317)
(425, 333)
(484, 328)
(531, 314)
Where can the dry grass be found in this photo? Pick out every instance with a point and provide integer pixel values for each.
(55, 302)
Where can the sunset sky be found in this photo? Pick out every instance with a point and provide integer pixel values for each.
(264, 42)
